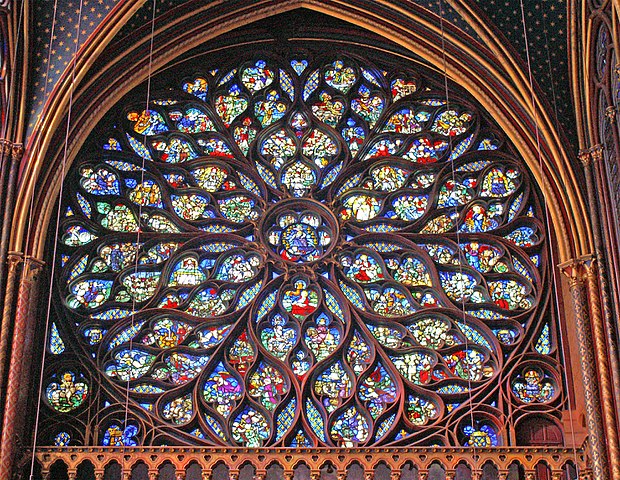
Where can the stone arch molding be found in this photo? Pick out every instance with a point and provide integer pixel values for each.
(490, 73)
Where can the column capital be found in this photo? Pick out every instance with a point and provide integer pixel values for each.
(575, 269)
(596, 152)
(5, 146)
(33, 266)
(33, 263)
(17, 152)
(556, 474)
(14, 258)
(610, 113)
(585, 157)
(260, 475)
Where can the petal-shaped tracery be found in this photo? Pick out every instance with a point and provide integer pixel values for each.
(303, 252)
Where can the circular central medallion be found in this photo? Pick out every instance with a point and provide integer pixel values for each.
(299, 231)
(301, 242)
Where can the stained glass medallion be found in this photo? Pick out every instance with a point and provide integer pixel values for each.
(300, 252)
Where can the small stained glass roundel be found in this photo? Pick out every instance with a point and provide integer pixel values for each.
(299, 231)
(299, 251)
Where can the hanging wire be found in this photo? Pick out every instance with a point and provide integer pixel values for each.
(139, 230)
(461, 256)
(58, 213)
(554, 278)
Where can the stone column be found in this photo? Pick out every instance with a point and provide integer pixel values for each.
(8, 204)
(6, 326)
(604, 276)
(574, 270)
(604, 330)
(601, 356)
(15, 382)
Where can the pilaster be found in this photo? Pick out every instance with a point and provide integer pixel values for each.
(575, 272)
(601, 314)
(6, 325)
(15, 382)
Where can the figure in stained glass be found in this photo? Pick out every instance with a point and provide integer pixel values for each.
(350, 428)
(258, 77)
(420, 411)
(148, 122)
(328, 110)
(250, 428)
(533, 386)
(229, 107)
(179, 411)
(377, 390)
(358, 354)
(271, 109)
(354, 136)
(301, 301)
(499, 184)
(68, 394)
(278, 339)
(360, 207)
(322, 338)
(268, 385)
(193, 120)
(241, 354)
(238, 268)
(116, 436)
(222, 389)
(100, 182)
(364, 269)
(340, 76)
(389, 302)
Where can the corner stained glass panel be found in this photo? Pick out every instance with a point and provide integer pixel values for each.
(299, 251)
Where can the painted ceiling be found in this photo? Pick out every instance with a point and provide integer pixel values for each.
(60, 31)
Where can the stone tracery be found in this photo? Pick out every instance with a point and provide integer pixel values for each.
(328, 254)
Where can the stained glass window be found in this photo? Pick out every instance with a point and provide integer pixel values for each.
(300, 252)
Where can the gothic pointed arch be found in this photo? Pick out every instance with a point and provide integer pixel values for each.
(302, 249)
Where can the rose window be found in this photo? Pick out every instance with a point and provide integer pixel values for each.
(297, 252)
